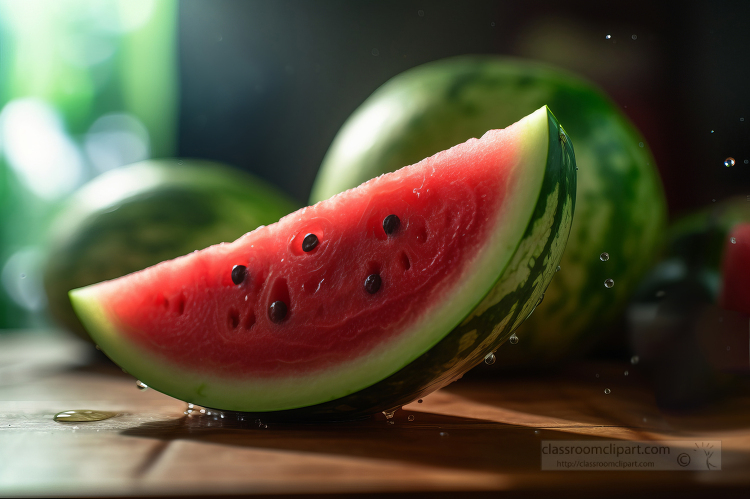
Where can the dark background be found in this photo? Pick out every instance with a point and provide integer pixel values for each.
(267, 84)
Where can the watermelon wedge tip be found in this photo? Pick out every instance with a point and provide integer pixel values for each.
(363, 302)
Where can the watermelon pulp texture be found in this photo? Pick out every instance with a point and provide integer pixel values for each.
(735, 291)
(133, 217)
(483, 226)
(621, 207)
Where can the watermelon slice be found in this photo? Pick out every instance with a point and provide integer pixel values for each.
(360, 303)
(735, 290)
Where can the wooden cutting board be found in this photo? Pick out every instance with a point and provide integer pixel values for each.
(481, 435)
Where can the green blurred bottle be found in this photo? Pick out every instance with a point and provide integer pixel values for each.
(84, 87)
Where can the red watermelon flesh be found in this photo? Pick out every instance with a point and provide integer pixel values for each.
(186, 328)
(735, 271)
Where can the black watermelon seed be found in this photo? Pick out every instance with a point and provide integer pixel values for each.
(372, 283)
(309, 242)
(277, 311)
(391, 223)
(239, 272)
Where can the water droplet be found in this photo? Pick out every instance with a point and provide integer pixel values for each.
(640, 144)
(607, 391)
(490, 358)
(513, 339)
(746, 161)
(557, 269)
(389, 413)
(140, 384)
(608, 37)
(604, 257)
(729, 162)
(626, 373)
(712, 131)
(634, 359)
(82, 416)
(733, 240)
(444, 434)
(23, 276)
(609, 283)
(419, 401)
(634, 37)
(410, 418)
(536, 432)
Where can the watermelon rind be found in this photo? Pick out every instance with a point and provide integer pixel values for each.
(136, 216)
(500, 288)
(621, 206)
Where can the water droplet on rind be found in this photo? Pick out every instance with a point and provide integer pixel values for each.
(410, 418)
(729, 162)
(513, 339)
(604, 257)
(607, 391)
(733, 240)
(140, 384)
(609, 283)
(490, 358)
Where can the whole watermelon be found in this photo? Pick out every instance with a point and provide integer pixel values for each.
(136, 216)
(621, 205)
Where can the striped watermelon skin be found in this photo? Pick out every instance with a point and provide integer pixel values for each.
(621, 206)
(513, 298)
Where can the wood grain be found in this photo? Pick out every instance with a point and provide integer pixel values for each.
(480, 435)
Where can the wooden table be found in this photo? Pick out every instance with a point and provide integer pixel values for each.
(482, 435)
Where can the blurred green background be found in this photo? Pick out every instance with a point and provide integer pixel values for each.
(87, 86)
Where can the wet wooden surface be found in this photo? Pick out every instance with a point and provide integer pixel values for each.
(480, 436)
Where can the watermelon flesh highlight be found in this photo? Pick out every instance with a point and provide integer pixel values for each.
(184, 328)
(735, 273)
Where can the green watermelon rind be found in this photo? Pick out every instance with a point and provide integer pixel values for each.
(139, 215)
(401, 373)
(621, 204)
